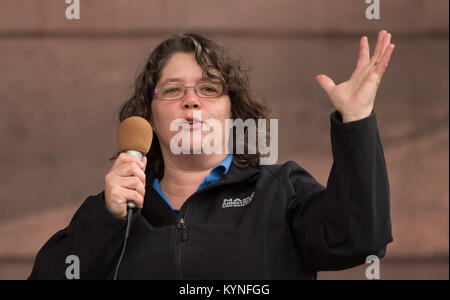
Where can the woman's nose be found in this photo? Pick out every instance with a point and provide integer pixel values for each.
(191, 99)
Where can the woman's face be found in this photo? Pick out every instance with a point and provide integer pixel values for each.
(183, 69)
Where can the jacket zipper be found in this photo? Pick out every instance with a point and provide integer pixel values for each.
(183, 218)
(181, 238)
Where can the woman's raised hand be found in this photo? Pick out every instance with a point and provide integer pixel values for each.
(355, 98)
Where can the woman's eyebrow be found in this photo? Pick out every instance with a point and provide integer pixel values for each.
(204, 79)
(169, 80)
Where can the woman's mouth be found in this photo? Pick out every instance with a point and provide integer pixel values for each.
(191, 123)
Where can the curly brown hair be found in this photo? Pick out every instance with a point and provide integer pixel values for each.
(210, 56)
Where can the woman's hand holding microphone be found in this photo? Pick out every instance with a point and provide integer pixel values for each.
(125, 182)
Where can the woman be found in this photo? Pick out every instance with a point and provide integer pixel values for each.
(221, 216)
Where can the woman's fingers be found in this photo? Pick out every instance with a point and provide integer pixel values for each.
(133, 196)
(132, 170)
(384, 61)
(124, 182)
(133, 183)
(144, 160)
(326, 83)
(379, 46)
(366, 66)
(364, 52)
(386, 43)
(125, 158)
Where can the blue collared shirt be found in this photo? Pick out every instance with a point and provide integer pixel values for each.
(216, 173)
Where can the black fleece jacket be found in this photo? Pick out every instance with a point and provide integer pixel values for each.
(271, 222)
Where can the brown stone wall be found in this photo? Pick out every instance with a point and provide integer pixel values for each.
(61, 83)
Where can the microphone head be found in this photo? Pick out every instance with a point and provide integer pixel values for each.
(134, 133)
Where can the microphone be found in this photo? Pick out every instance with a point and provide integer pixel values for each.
(134, 136)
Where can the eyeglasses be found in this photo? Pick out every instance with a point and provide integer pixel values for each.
(171, 92)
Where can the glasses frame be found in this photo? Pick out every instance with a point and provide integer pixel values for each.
(224, 92)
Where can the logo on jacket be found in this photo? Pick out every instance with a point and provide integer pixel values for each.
(237, 202)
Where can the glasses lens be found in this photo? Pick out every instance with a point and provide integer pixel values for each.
(203, 90)
(170, 92)
(209, 90)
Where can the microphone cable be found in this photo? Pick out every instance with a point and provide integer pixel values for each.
(130, 210)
